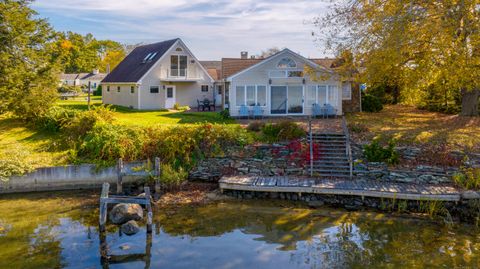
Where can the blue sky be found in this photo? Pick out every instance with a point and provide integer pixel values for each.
(211, 29)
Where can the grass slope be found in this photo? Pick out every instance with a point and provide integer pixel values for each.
(412, 126)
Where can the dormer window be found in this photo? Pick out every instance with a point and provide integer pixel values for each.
(286, 63)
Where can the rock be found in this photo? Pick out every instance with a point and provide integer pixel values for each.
(316, 203)
(470, 195)
(130, 227)
(122, 213)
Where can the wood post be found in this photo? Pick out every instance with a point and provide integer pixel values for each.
(119, 176)
(311, 144)
(103, 206)
(158, 173)
(149, 209)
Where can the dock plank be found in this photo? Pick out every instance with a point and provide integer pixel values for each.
(379, 189)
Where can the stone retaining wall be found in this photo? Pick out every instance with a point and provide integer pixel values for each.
(467, 210)
(85, 176)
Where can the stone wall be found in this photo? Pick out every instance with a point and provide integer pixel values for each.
(352, 105)
(466, 210)
(262, 160)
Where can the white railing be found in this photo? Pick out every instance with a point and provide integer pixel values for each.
(182, 74)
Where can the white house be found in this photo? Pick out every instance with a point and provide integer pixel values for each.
(157, 76)
(281, 86)
(83, 79)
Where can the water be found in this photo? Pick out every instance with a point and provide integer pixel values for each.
(51, 230)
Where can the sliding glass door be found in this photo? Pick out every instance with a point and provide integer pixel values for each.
(286, 99)
(278, 97)
(295, 99)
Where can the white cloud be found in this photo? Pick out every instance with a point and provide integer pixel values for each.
(211, 29)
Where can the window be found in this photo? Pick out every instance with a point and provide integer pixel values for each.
(277, 74)
(118, 88)
(132, 89)
(295, 74)
(311, 95)
(240, 95)
(146, 57)
(331, 95)
(178, 49)
(286, 63)
(204, 88)
(251, 95)
(178, 65)
(154, 89)
(108, 88)
(347, 91)
(219, 88)
(169, 92)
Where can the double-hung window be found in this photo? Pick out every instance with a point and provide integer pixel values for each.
(178, 65)
(251, 95)
(347, 91)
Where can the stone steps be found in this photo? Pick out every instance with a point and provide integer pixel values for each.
(331, 160)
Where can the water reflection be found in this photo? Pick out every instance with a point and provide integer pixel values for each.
(52, 231)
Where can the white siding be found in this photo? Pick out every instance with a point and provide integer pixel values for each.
(123, 98)
(259, 75)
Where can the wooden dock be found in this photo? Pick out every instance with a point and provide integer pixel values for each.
(372, 188)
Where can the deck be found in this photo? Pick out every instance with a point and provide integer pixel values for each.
(376, 189)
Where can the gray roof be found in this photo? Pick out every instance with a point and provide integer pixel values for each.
(133, 67)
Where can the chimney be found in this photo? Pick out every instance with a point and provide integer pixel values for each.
(244, 55)
(95, 71)
(108, 69)
(252, 57)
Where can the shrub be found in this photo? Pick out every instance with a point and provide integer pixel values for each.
(371, 103)
(376, 153)
(105, 143)
(225, 114)
(69, 89)
(177, 106)
(255, 126)
(172, 177)
(84, 121)
(282, 131)
(14, 164)
(55, 118)
(98, 91)
(358, 128)
(468, 178)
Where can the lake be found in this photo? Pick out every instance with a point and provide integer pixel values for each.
(60, 230)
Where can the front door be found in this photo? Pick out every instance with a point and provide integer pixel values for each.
(170, 93)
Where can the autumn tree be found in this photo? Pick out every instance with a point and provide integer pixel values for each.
(28, 69)
(411, 44)
(268, 52)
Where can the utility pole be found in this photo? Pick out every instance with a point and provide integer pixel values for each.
(88, 98)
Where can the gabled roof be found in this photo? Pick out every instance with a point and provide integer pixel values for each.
(231, 66)
(261, 61)
(133, 67)
(325, 62)
(214, 68)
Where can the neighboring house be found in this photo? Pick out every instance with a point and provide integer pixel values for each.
(157, 76)
(82, 79)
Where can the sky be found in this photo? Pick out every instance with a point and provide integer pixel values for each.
(211, 29)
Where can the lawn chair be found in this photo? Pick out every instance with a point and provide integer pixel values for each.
(257, 112)
(243, 112)
(330, 111)
(206, 104)
(316, 110)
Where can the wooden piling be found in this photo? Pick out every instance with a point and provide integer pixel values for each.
(119, 176)
(103, 206)
(148, 206)
(158, 173)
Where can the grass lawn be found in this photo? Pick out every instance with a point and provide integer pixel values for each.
(413, 126)
(150, 117)
(38, 148)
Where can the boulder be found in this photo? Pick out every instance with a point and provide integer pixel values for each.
(130, 227)
(122, 213)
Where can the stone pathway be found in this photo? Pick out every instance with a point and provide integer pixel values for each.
(366, 188)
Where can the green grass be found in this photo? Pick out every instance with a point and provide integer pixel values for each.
(129, 116)
(41, 148)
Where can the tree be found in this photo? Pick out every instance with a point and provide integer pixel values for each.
(268, 52)
(85, 53)
(28, 69)
(409, 44)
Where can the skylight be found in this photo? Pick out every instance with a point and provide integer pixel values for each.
(146, 57)
(153, 56)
